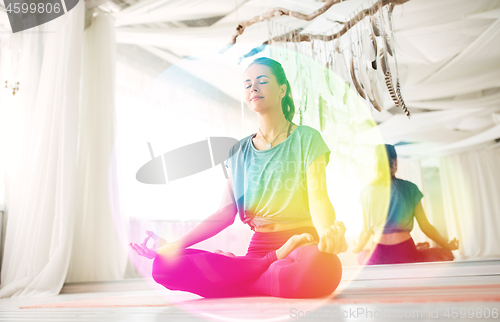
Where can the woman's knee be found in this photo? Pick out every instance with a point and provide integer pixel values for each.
(164, 272)
(159, 270)
(447, 255)
(321, 272)
(437, 254)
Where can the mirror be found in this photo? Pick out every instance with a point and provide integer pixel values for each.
(344, 122)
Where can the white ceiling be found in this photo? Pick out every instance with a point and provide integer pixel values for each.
(448, 54)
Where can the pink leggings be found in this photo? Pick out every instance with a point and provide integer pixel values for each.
(304, 273)
(404, 252)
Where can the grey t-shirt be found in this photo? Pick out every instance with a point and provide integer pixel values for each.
(270, 186)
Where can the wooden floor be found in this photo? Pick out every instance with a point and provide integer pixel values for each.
(469, 290)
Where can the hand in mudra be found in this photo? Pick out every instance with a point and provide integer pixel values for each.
(333, 239)
(144, 250)
(453, 244)
(357, 249)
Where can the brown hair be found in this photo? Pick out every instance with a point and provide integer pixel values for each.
(287, 105)
(385, 155)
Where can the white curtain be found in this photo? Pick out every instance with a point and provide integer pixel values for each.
(41, 159)
(470, 184)
(99, 254)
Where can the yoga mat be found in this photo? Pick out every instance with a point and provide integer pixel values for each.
(462, 293)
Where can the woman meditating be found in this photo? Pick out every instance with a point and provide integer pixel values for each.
(392, 242)
(277, 185)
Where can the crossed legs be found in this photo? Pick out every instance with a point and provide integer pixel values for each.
(303, 272)
(404, 252)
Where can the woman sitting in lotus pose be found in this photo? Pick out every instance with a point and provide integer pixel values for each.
(277, 185)
(392, 242)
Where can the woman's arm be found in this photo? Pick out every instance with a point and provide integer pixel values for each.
(331, 231)
(430, 231)
(364, 236)
(320, 206)
(211, 226)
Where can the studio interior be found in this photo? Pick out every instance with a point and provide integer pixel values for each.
(145, 149)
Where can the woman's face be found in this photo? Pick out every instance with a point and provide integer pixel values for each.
(261, 90)
(394, 167)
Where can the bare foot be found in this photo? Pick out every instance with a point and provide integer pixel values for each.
(294, 242)
(422, 246)
(228, 254)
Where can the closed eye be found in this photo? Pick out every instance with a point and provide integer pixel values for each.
(248, 86)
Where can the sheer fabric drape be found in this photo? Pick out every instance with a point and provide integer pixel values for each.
(41, 160)
(61, 180)
(470, 184)
(98, 253)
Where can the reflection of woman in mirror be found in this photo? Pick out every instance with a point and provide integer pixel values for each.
(277, 185)
(392, 242)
